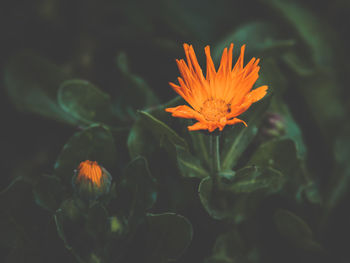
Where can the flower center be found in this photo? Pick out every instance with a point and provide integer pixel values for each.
(214, 109)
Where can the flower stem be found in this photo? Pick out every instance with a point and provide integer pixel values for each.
(215, 166)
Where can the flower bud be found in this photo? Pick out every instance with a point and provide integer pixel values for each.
(91, 180)
(273, 126)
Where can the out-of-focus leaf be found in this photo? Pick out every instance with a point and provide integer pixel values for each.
(238, 197)
(188, 164)
(340, 185)
(237, 138)
(136, 92)
(169, 236)
(294, 229)
(320, 89)
(32, 83)
(316, 34)
(318, 84)
(95, 143)
(140, 141)
(230, 247)
(19, 222)
(97, 222)
(137, 191)
(48, 192)
(300, 65)
(86, 102)
(183, 17)
(261, 38)
(291, 128)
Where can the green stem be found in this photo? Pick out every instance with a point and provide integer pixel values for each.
(215, 166)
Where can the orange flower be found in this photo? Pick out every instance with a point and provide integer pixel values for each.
(222, 95)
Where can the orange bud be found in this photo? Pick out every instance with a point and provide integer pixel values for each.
(91, 180)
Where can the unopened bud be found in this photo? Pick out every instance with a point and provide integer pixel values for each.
(273, 126)
(91, 180)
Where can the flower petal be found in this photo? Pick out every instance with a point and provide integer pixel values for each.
(198, 126)
(257, 94)
(183, 111)
(236, 120)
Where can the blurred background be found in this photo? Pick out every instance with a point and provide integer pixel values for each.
(303, 46)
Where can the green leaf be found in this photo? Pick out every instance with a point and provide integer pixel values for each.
(48, 192)
(137, 191)
(169, 236)
(162, 131)
(95, 143)
(82, 229)
(237, 138)
(251, 179)
(32, 83)
(295, 229)
(236, 197)
(71, 224)
(86, 102)
(188, 164)
(279, 154)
